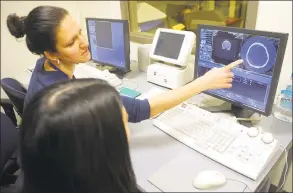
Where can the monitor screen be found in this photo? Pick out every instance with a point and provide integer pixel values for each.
(109, 42)
(253, 80)
(169, 45)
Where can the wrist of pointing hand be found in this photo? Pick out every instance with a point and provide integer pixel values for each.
(200, 84)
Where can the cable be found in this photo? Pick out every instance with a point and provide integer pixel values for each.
(248, 119)
(253, 117)
(286, 170)
(246, 186)
(199, 99)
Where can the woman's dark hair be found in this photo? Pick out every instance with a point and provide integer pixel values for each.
(39, 27)
(73, 140)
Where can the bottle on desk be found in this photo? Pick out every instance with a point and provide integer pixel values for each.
(284, 104)
(143, 57)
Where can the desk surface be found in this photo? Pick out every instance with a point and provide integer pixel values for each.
(150, 148)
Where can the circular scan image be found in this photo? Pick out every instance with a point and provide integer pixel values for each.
(226, 45)
(258, 54)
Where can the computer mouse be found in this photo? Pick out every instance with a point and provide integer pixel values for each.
(209, 179)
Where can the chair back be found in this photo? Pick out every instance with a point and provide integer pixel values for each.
(16, 93)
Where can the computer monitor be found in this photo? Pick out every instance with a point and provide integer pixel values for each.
(109, 42)
(255, 81)
(172, 46)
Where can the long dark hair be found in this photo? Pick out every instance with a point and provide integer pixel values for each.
(73, 140)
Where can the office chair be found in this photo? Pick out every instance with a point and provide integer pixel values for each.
(8, 145)
(16, 93)
(8, 110)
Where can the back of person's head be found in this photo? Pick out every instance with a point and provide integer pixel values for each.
(73, 140)
(39, 26)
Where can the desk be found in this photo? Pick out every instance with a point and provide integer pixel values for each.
(150, 148)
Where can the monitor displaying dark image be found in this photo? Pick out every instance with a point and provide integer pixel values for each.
(225, 47)
(255, 80)
(169, 45)
(109, 42)
(104, 34)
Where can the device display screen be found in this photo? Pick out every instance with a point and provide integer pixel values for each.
(169, 45)
(252, 81)
(107, 42)
(104, 35)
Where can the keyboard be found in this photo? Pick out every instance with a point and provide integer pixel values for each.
(242, 149)
(87, 71)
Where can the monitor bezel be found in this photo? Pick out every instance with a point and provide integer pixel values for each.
(126, 38)
(185, 50)
(277, 68)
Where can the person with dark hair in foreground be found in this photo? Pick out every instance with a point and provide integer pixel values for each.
(51, 32)
(74, 139)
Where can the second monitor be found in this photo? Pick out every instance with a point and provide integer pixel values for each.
(255, 81)
(109, 43)
(172, 46)
(171, 50)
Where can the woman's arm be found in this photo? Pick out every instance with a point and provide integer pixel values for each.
(214, 79)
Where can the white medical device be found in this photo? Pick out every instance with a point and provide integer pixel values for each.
(171, 49)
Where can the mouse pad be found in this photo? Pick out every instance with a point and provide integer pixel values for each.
(179, 173)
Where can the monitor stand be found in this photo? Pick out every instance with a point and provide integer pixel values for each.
(237, 111)
(118, 72)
